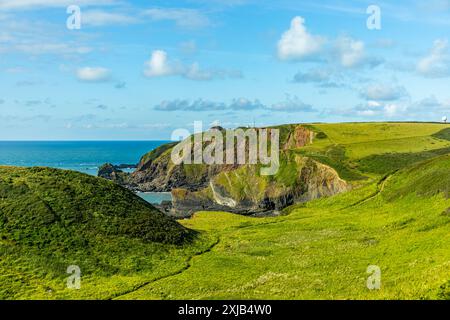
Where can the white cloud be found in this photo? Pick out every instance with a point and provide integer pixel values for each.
(394, 109)
(313, 75)
(206, 105)
(39, 37)
(437, 63)
(382, 100)
(189, 18)
(47, 48)
(322, 77)
(292, 104)
(383, 92)
(195, 73)
(186, 105)
(350, 52)
(159, 65)
(429, 108)
(245, 104)
(102, 18)
(93, 74)
(296, 43)
(366, 113)
(16, 70)
(373, 109)
(373, 104)
(431, 105)
(30, 4)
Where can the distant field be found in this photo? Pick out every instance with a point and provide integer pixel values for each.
(345, 133)
(378, 148)
(361, 140)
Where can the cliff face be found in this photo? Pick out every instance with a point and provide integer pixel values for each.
(243, 191)
(236, 188)
(298, 137)
(156, 172)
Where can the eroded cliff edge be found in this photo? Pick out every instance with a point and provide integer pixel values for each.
(235, 188)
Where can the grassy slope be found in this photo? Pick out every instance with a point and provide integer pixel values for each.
(364, 139)
(50, 219)
(375, 149)
(322, 250)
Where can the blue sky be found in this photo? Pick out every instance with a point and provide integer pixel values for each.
(140, 69)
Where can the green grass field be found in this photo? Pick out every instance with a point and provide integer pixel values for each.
(322, 250)
(397, 217)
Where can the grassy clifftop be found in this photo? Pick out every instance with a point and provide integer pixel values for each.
(355, 150)
(354, 154)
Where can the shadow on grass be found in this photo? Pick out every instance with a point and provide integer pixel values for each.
(388, 162)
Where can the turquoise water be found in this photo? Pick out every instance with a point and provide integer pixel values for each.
(82, 156)
(155, 197)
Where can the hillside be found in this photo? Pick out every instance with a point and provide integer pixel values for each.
(316, 160)
(395, 214)
(50, 219)
(41, 205)
(374, 149)
(321, 250)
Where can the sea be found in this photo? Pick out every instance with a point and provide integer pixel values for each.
(82, 156)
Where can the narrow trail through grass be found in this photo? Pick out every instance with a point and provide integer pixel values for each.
(191, 258)
(186, 267)
(380, 187)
